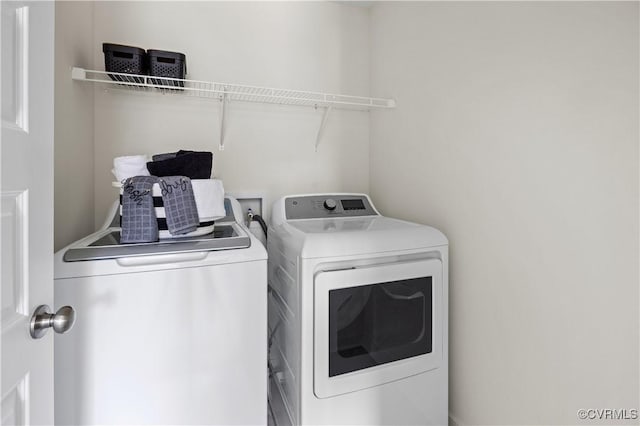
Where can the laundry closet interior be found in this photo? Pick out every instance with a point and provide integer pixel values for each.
(512, 127)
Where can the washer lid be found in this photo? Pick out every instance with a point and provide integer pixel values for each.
(106, 244)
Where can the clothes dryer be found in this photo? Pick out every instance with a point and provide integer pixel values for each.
(357, 314)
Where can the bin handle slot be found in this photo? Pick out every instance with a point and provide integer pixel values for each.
(123, 55)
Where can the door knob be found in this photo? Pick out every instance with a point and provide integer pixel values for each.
(61, 321)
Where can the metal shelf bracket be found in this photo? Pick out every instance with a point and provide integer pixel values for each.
(223, 104)
(323, 123)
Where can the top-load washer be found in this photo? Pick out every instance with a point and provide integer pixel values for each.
(357, 314)
(172, 332)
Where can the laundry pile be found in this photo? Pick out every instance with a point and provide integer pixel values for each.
(171, 196)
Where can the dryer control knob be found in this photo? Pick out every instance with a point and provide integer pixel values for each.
(330, 204)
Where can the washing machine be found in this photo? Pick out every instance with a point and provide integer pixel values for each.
(357, 315)
(173, 332)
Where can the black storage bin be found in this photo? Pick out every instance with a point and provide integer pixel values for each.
(125, 59)
(167, 64)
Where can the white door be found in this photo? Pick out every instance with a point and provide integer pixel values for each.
(26, 150)
(376, 324)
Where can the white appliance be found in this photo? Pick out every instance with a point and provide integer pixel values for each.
(357, 315)
(166, 333)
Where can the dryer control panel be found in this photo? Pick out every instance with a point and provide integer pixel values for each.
(328, 206)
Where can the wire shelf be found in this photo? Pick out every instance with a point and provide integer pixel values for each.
(229, 92)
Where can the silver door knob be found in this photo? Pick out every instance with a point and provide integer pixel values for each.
(61, 321)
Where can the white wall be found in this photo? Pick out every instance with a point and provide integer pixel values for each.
(317, 46)
(516, 133)
(73, 146)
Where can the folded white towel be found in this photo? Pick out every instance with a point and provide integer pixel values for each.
(129, 166)
(209, 195)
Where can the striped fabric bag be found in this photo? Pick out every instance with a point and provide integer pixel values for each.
(209, 196)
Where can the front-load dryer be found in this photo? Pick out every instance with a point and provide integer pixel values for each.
(172, 332)
(357, 315)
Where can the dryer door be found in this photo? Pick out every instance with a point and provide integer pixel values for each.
(376, 324)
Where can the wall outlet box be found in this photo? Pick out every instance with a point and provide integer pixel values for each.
(250, 201)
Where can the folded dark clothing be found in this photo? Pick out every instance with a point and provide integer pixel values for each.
(166, 156)
(139, 224)
(179, 204)
(192, 164)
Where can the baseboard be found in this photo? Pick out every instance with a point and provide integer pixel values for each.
(453, 421)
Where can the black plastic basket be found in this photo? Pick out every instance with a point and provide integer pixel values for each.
(167, 64)
(125, 59)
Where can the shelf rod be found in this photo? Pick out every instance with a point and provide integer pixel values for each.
(233, 91)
